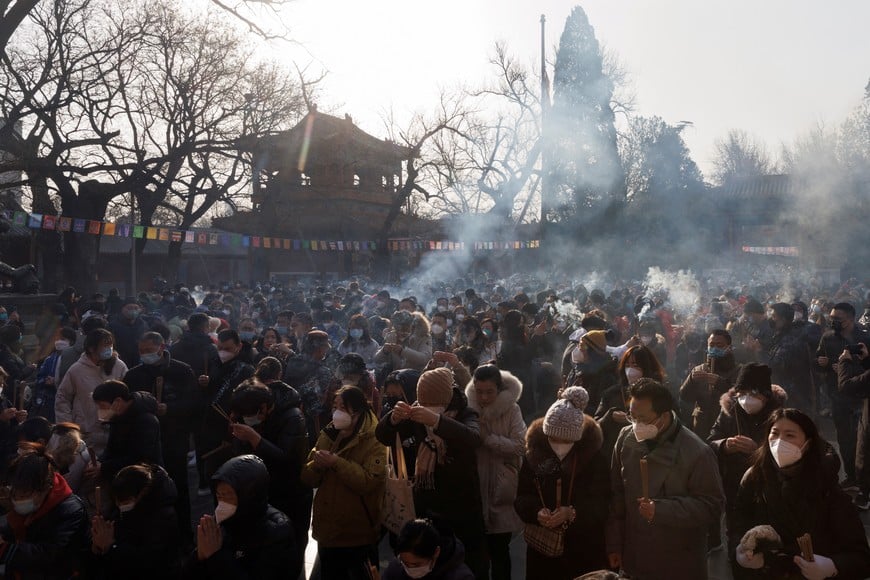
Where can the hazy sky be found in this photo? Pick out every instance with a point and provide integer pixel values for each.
(772, 67)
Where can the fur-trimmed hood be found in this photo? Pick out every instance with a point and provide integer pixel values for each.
(728, 400)
(506, 398)
(538, 447)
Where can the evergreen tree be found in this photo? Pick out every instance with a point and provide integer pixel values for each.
(584, 174)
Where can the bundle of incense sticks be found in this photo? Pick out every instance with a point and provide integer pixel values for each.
(158, 389)
(805, 543)
(644, 477)
(220, 411)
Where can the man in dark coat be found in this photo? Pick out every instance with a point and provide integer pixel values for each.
(255, 540)
(173, 385)
(662, 536)
(134, 431)
(447, 433)
(845, 408)
(308, 374)
(709, 381)
(854, 381)
(789, 359)
(273, 429)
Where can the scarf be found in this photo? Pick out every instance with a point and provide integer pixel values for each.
(432, 452)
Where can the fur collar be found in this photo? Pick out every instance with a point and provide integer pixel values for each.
(538, 447)
(505, 400)
(728, 400)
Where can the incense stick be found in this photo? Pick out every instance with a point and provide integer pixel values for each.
(644, 477)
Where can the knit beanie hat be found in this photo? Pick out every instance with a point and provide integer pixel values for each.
(564, 418)
(596, 340)
(754, 377)
(435, 388)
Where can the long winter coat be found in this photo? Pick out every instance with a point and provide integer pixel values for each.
(134, 437)
(349, 498)
(795, 502)
(732, 421)
(705, 398)
(499, 458)
(74, 403)
(584, 539)
(684, 483)
(854, 381)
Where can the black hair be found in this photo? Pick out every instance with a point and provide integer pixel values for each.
(34, 429)
(354, 399)
(229, 334)
(304, 318)
(69, 334)
(646, 359)
(723, 333)
(249, 396)
(130, 481)
(489, 372)
(155, 338)
(95, 338)
(420, 538)
(198, 322)
(33, 471)
(108, 391)
(269, 368)
(659, 395)
(845, 307)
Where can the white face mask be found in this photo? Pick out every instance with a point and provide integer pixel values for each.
(225, 355)
(224, 511)
(785, 453)
(646, 340)
(578, 356)
(460, 317)
(417, 571)
(61, 344)
(341, 419)
(750, 403)
(437, 329)
(561, 449)
(126, 507)
(24, 507)
(633, 374)
(644, 431)
(252, 420)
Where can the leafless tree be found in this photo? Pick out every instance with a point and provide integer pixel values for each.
(740, 155)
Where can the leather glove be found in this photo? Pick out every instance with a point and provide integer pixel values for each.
(820, 569)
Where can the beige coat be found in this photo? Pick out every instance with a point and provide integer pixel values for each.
(499, 458)
(74, 404)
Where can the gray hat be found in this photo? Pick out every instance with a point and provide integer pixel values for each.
(564, 418)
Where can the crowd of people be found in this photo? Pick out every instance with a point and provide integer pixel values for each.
(615, 431)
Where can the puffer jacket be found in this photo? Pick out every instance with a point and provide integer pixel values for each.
(499, 458)
(257, 539)
(146, 538)
(50, 544)
(349, 498)
(74, 403)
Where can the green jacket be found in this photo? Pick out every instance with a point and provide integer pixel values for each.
(350, 495)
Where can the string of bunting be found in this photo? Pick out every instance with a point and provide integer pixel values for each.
(209, 238)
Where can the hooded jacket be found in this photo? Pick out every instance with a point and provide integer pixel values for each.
(257, 539)
(733, 420)
(51, 543)
(146, 538)
(349, 498)
(449, 566)
(502, 431)
(584, 539)
(685, 485)
(134, 437)
(74, 403)
(284, 449)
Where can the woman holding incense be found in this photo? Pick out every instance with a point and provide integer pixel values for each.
(791, 518)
